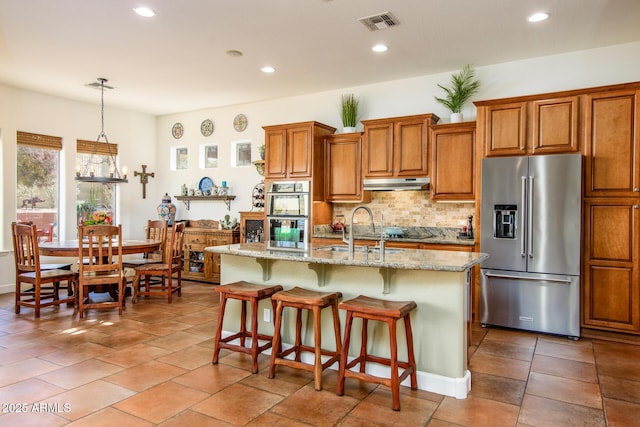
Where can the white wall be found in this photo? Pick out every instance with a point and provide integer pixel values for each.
(33, 112)
(617, 64)
(135, 134)
(144, 139)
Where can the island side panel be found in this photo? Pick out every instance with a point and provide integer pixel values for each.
(439, 322)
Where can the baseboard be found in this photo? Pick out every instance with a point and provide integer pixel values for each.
(7, 288)
(596, 334)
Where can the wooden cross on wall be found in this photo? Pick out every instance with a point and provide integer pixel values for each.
(144, 179)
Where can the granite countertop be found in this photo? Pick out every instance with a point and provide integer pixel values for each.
(431, 235)
(408, 259)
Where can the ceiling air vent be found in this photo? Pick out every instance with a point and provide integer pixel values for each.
(379, 21)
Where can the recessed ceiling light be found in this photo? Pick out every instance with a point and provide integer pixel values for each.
(144, 11)
(538, 17)
(268, 69)
(379, 48)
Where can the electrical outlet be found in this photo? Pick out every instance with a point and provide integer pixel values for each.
(266, 315)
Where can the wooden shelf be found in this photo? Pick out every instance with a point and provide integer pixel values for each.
(187, 199)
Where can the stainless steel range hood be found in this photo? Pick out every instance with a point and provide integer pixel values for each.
(389, 184)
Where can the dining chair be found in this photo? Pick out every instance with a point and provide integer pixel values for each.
(100, 266)
(48, 266)
(29, 271)
(157, 230)
(172, 265)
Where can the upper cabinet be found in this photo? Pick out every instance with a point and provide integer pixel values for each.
(612, 132)
(453, 161)
(530, 126)
(397, 147)
(343, 168)
(294, 151)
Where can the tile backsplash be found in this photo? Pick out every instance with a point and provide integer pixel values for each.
(409, 209)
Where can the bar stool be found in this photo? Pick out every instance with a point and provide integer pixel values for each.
(245, 292)
(300, 299)
(367, 309)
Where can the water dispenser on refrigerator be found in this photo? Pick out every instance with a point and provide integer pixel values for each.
(504, 226)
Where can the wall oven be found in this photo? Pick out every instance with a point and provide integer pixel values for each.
(288, 208)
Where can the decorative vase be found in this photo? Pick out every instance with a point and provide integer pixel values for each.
(348, 129)
(456, 117)
(167, 210)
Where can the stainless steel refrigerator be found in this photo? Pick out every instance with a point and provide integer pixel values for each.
(530, 227)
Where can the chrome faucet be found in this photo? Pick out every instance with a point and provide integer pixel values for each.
(351, 233)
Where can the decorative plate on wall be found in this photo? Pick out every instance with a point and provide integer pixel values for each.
(206, 128)
(240, 122)
(177, 130)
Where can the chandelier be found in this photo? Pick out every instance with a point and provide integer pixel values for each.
(114, 174)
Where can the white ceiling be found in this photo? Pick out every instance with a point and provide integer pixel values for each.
(176, 61)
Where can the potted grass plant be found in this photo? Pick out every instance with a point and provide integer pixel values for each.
(463, 87)
(349, 112)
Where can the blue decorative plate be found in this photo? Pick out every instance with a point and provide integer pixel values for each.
(205, 185)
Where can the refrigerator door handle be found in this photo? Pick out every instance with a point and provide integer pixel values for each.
(508, 276)
(530, 214)
(523, 203)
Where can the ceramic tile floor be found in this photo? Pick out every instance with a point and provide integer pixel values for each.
(152, 366)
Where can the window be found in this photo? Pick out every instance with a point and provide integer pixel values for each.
(178, 158)
(95, 157)
(38, 166)
(209, 156)
(242, 153)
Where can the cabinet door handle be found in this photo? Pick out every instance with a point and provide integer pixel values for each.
(636, 206)
(523, 203)
(636, 189)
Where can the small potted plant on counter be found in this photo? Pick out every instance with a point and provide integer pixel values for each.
(463, 87)
(349, 112)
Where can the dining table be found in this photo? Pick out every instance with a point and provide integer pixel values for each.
(69, 249)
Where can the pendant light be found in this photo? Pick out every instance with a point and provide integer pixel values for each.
(114, 176)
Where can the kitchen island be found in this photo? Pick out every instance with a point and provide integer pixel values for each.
(438, 281)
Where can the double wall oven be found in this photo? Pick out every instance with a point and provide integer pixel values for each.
(288, 207)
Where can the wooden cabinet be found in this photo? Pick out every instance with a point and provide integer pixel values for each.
(612, 135)
(453, 172)
(607, 119)
(397, 147)
(252, 226)
(294, 151)
(526, 126)
(611, 258)
(199, 264)
(611, 279)
(343, 168)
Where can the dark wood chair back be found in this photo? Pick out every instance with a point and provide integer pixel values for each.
(172, 265)
(30, 271)
(175, 249)
(25, 248)
(157, 229)
(100, 264)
